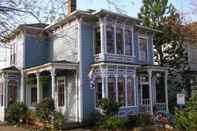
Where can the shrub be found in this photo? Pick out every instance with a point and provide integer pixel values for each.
(186, 118)
(58, 119)
(112, 122)
(109, 107)
(16, 113)
(45, 109)
(144, 120)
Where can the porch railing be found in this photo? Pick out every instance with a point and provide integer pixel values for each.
(161, 107)
(145, 107)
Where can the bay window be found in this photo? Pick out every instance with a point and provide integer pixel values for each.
(128, 42)
(112, 89)
(97, 40)
(110, 39)
(121, 91)
(130, 92)
(98, 91)
(143, 47)
(119, 41)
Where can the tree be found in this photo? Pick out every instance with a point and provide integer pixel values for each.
(169, 50)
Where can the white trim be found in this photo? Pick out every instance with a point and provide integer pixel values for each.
(80, 79)
(124, 41)
(126, 89)
(115, 43)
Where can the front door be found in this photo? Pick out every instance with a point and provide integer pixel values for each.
(61, 94)
(12, 91)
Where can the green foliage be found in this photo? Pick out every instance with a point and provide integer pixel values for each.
(144, 120)
(109, 107)
(16, 113)
(112, 122)
(168, 44)
(58, 119)
(45, 109)
(186, 118)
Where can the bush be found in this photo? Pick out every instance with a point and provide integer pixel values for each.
(112, 122)
(144, 120)
(58, 119)
(16, 113)
(109, 107)
(45, 109)
(186, 118)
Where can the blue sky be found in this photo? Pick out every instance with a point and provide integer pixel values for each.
(132, 7)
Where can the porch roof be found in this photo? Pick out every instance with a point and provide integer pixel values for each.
(9, 69)
(153, 68)
(52, 65)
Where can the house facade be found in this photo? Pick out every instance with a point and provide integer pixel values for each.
(80, 60)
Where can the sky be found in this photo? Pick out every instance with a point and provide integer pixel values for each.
(129, 7)
(132, 7)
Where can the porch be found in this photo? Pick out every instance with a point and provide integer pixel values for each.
(57, 80)
(139, 89)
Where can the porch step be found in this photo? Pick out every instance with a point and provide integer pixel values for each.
(71, 125)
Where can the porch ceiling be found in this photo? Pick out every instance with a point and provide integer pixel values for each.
(52, 65)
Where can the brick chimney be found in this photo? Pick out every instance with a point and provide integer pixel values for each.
(71, 6)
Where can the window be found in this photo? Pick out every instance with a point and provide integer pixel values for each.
(143, 49)
(13, 54)
(110, 39)
(98, 91)
(128, 42)
(97, 40)
(61, 84)
(33, 95)
(1, 93)
(130, 92)
(112, 89)
(121, 92)
(119, 41)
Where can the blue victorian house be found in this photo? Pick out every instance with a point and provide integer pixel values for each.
(85, 57)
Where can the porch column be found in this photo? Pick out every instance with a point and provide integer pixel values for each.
(116, 79)
(53, 84)
(22, 87)
(166, 90)
(150, 90)
(135, 89)
(103, 34)
(38, 86)
(126, 103)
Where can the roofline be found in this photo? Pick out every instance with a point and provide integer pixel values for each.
(103, 11)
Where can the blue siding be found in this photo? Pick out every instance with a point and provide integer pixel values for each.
(36, 50)
(86, 59)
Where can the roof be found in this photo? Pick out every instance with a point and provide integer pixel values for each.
(10, 68)
(76, 14)
(22, 27)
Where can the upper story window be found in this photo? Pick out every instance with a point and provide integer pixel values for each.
(119, 41)
(110, 39)
(143, 48)
(97, 40)
(13, 54)
(128, 42)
